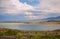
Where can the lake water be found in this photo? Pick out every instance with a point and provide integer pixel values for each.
(39, 27)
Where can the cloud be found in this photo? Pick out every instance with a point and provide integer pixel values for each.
(30, 15)
(46, 8)
(50, 6)
(42, 10)
(14, 6)
(35, 14)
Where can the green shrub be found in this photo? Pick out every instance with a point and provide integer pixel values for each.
(19, 35)
(1, 33)
(11, 32)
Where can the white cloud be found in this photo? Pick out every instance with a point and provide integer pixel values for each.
(14, 6)
(47, 7)
(50, 6)
(28, 13)
(32, 17)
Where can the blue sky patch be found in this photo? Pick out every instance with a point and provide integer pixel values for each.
(30, 2)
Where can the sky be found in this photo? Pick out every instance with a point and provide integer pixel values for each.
(28, 9)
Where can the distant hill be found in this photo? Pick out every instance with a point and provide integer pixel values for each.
(52, 19)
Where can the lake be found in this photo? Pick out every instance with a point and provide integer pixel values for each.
(38, 27)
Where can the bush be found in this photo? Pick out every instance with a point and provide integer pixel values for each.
(1, 33)
(19, 35)
(11, 32)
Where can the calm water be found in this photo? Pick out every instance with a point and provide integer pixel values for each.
(21, 26)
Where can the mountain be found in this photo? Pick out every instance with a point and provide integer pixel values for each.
(52, 18)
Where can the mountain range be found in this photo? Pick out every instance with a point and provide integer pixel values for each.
(52, 18)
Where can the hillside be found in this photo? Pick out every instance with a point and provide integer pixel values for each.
(52, 18)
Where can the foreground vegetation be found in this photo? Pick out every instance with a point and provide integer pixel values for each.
(25, 34)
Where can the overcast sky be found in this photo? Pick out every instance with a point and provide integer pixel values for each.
(28, 9)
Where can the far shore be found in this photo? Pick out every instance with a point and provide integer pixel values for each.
(44, 22)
